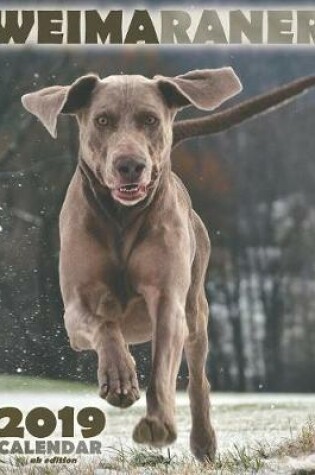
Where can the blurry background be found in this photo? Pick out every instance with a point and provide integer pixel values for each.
(253, 186)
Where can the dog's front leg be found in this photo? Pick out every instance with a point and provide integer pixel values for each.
(116, 368)
(167, 311)
(99, 329)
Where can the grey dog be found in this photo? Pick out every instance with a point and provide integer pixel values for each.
(133, 251)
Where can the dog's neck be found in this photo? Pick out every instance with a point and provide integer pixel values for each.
(99, 196)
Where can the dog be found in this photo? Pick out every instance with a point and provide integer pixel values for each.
(134, 253)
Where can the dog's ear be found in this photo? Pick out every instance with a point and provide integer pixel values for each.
(205, 88)
(46, 104)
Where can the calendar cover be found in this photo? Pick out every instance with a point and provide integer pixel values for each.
(157, 237)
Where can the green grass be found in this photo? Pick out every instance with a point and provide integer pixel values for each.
(25, 383)
(303, 444)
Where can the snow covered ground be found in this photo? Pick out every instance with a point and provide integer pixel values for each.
(242, 419)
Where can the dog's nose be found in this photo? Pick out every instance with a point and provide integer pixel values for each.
(130, 169)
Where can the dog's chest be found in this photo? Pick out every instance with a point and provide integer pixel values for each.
(123, 245)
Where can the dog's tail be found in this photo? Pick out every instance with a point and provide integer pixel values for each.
(220, 121)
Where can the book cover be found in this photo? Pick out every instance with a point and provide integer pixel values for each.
(157, 229)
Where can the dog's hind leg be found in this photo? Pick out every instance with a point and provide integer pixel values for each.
(202, 436)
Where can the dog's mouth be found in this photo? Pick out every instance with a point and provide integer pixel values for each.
(130, 194)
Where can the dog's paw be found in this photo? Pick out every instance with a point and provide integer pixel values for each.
(118, 382)
(203, 445)
(153, 431)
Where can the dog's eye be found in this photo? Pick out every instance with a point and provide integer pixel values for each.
(150, 120)
(102, 120)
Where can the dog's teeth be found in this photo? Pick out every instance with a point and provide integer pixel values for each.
(129, 190)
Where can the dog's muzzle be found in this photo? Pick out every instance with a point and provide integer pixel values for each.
(129, 171)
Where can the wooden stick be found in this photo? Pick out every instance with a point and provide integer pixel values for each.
(220, 121)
